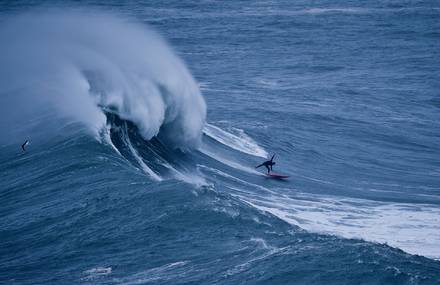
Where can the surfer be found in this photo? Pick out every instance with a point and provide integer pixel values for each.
(268, 164)
(23, 146)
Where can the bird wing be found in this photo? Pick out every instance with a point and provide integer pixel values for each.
(25, 144)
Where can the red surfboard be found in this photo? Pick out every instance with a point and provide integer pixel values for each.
(276, 176)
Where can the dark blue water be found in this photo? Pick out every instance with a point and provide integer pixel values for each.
(346, 95)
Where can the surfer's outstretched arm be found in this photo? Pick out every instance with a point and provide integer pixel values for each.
(272, 157)
(259, 165)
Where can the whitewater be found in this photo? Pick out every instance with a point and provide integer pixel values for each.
(80, 64)
(146, 122)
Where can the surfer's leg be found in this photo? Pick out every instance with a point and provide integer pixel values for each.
(268, 169)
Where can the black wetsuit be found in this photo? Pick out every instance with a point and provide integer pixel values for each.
(268, 164)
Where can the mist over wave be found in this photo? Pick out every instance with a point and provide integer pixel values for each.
(78, 65)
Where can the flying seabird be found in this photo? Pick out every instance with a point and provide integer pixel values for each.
(24, 145)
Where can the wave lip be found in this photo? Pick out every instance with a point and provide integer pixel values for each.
(78, 63)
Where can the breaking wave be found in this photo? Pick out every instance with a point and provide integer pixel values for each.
(82, 65)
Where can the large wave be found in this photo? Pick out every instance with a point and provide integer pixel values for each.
(81, 65)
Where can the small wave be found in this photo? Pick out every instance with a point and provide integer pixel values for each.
(261, 252)
(193, 179)
(335, 10)
(228, 162)
(240, 142)
(99, 271)
(238, 180)
(96, 272)
(171, 271)
(273, 84)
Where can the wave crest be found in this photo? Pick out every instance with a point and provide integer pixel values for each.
(82, 64)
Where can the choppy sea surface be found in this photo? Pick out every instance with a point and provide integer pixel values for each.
(146, 120)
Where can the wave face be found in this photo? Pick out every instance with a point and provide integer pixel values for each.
(77, 64)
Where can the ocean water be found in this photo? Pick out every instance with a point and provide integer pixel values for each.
(146, 120)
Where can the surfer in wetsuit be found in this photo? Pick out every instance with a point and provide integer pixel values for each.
(268, 164)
